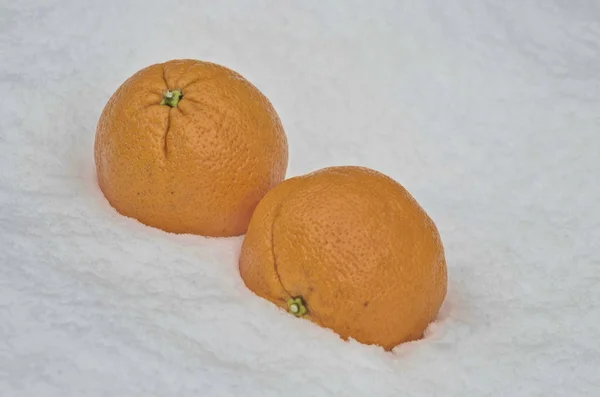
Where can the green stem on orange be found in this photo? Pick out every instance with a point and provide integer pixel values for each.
(171, 98)
(296, 306)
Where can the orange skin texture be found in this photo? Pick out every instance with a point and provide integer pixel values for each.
(200, 167)
(356, 246)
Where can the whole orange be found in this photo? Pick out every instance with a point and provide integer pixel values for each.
(189, 147)
(351, 250)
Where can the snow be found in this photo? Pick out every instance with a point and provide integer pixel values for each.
(487, 112)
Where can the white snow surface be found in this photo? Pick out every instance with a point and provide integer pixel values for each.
(488, 112)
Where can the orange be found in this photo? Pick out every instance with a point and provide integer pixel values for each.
(189, 147)
(351, 250)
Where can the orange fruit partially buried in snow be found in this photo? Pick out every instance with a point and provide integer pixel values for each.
(351, 250)
(189, 147)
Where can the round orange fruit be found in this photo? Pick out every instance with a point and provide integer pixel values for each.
(189, 147)
(351, 250)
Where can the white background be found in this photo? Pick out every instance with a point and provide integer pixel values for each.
(488, 112)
